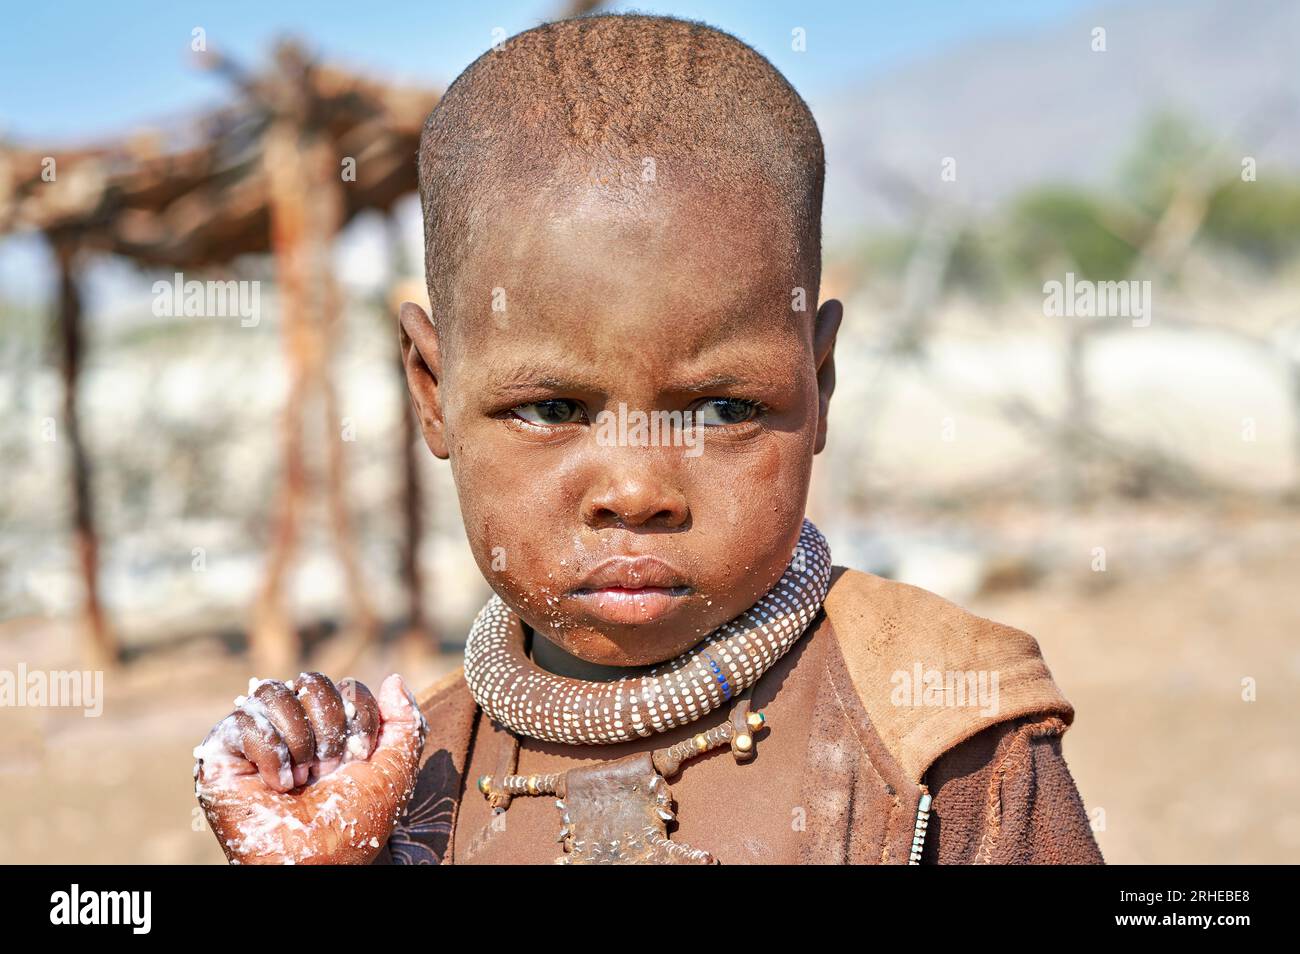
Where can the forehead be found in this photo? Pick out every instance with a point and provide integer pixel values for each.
(626, 284)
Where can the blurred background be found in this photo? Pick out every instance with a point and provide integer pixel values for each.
(190, 499)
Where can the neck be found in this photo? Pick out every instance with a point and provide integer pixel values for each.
(547, 655)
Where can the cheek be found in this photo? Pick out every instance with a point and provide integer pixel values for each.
(753, 509)
(512, 504)
(490, 503)
(766, 482)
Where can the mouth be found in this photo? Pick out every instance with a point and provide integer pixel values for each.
(632, 590)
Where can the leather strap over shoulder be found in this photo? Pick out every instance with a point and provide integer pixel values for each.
(931, 674)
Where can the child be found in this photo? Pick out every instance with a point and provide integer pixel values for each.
(628, 370)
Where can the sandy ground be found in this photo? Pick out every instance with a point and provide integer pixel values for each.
(1175, 765)
(118, 788)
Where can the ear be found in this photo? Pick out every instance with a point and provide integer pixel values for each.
(825, 327)
(422, 360)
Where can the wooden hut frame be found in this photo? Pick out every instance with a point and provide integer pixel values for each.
(265, 175)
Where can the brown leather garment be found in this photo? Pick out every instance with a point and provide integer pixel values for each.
(840, 775)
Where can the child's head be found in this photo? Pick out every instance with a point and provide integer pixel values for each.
(624, 212)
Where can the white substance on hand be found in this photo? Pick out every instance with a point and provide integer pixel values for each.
(224, 747)
(330, 807)
(217, 752)
(263, 831)
(358, 748)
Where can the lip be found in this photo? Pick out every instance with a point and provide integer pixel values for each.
(632, 590)
(632, 573)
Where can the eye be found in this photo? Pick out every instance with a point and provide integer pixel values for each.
(716, 412)
(552, 412)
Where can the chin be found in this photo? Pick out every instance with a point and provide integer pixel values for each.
(604, 643)
(622, 627)
(628, 647)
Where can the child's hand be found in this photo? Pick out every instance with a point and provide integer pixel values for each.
(310, 773)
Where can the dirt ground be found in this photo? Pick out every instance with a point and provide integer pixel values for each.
(1175, 765)
(1181, 767)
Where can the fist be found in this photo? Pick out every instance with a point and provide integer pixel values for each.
(307, 772)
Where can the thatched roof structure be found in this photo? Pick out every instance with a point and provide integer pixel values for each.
(303, 149)
(208, 201)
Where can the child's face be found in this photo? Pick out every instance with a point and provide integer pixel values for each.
(626, 554)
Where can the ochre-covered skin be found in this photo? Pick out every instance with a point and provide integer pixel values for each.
(838, 772)
(344, 815)
(667, 308)
(660, 296)
(679, 296)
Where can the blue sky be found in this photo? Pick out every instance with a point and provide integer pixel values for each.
(71, 71)
(80, 72)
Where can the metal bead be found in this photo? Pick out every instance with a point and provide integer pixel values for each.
(701, 743)
(485, 784)
(756, 720)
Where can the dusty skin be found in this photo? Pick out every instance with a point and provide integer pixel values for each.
(682, 305)
(307, 772)
(611, 308)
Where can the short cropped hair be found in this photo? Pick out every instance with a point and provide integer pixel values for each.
(620, 94)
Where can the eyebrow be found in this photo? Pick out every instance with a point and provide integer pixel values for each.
(528, 380)
(531, 378)
(712, 382)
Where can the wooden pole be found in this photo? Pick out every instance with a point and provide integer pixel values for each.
(325, 222)
(101, 645)
(420, 637)
(306, 214)
(273, 640)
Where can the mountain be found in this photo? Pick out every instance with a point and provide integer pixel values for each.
(1038, 106)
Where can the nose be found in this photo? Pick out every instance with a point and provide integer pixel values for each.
(635, 499)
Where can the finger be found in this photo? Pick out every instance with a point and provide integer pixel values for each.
(324, 707)
(261, 744)
(362, 712)
(220, 755)
(343, 819)
(355, 809)
(404, 729)
(396, 703)
(401, 739)
(286, 713)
